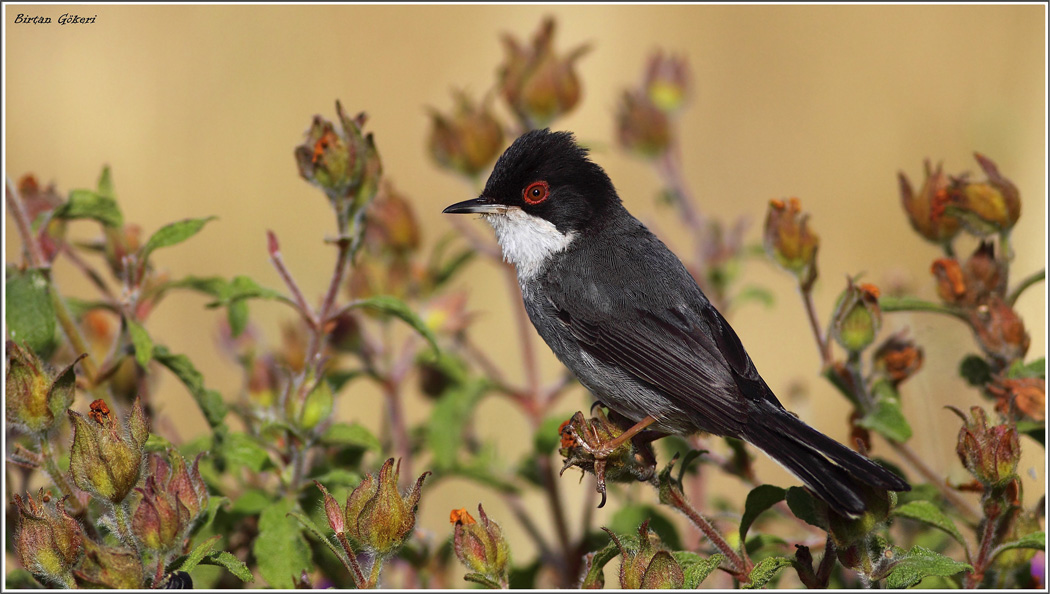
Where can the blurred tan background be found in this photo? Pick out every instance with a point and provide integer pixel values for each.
(197, 110)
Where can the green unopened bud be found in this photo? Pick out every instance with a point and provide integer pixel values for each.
(467, 141)
(311, 410)
(110, 567)
(857, 317)
(922, 208)
(35, 399)
(106, 457)
(377, 515)
(49, 542)
(789, 241)
(991, 453)
(641, 127)
(667, 81)
(539, 85)
(481, 546)
(344, 163)
(648, 566)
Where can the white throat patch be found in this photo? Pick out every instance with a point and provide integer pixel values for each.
(527, 241)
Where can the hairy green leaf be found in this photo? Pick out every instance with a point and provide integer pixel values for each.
(241, 449)
(696, 568)
(886, 418)
(1031, 369)
(30, 314)
(628, 518)
(172, 234)
(209, 401)
(141, 341)
(765, 570)
(802, 504)
(928, 513)
(86, 204)
(280, 549)
(444, 433)
(231, 563)
(1035, 540)
(914, 565)
(198, 553)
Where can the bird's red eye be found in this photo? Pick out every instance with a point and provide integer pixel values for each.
(536, 192)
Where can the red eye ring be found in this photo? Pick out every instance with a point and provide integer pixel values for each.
(536, 192)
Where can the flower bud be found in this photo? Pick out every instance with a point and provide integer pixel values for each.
(898, 358)
(648, 566)
(106, 457)
(667, 81)
(990, 454)
(921, 208)
(345, 163)
(789, 241)
(986, 207)
(641, 127)
(309, 411)
(377, 515)
(1000, 331)
(159, 519)
(110, 567)
(969, 284)
(857, 316)
(391, 224)
(35, 399)
(447, 313)
(49, 542)
(538, 85)
(467, 141)
(1027, 395)
(481, 546)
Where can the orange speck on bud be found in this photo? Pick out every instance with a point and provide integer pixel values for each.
(99, 411)
(870, 290)
(461, 516)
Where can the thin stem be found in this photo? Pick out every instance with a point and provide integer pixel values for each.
(1028, 281)
(278, 262)
(811, 313)
(354, 568)
(95, 278)
(964, 507)
(34, 255)
(974, 578)
(373, 574)
(124, 526)
(399, 432)
(888, 303)
(55, 474)
(72, 332)
(741, 567)
(550, 487)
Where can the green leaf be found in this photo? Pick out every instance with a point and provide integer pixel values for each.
(400, 310)
(1032, 369)
(628, 518)
(105, 183)
(231, 563)
(760, 541)
(30, 314)
(338, 477)
(198, 553)
(1034, 429)
(755, 293)
(928, 513)
(351, 435)
(914, 565)
(478, 578)
(280, 549)
(546, 439)
(85, 204)
(975, 370)
(237, 317)
(312, 528)
(213, 286)
(243, 450)
(802, 504)
(595, 577)
(886, 418)
(444, 432)
(156, 443)
(141, 341)
(215, 503)
(172, 234)
(209, 401)
(1035, 540)
(695, 567)
(765, 570)
(252, 502)
(759, 500)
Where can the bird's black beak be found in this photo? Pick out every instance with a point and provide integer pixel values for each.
(479, 205)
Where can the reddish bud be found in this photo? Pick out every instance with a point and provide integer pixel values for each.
(789, 241)
(1000, 331)
(667, 81)
(377, 515)
(48, 541)
(468, 140)
(922, 210)
(642, 128)
(480, 546)
(991, 453)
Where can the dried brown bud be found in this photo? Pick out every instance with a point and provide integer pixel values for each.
(966, 285)
(467, 141)
(789, 241)
(999, 331)
(641, 127)
(925, 217)
(898, 358)
(538, 84)
(1026, 395)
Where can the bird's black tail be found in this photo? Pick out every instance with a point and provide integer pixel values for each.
(832, 471)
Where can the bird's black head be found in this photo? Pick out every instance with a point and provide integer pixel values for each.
(547, 175)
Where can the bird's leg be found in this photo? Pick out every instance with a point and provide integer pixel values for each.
(603, 451)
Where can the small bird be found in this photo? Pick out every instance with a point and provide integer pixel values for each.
(621, 311)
